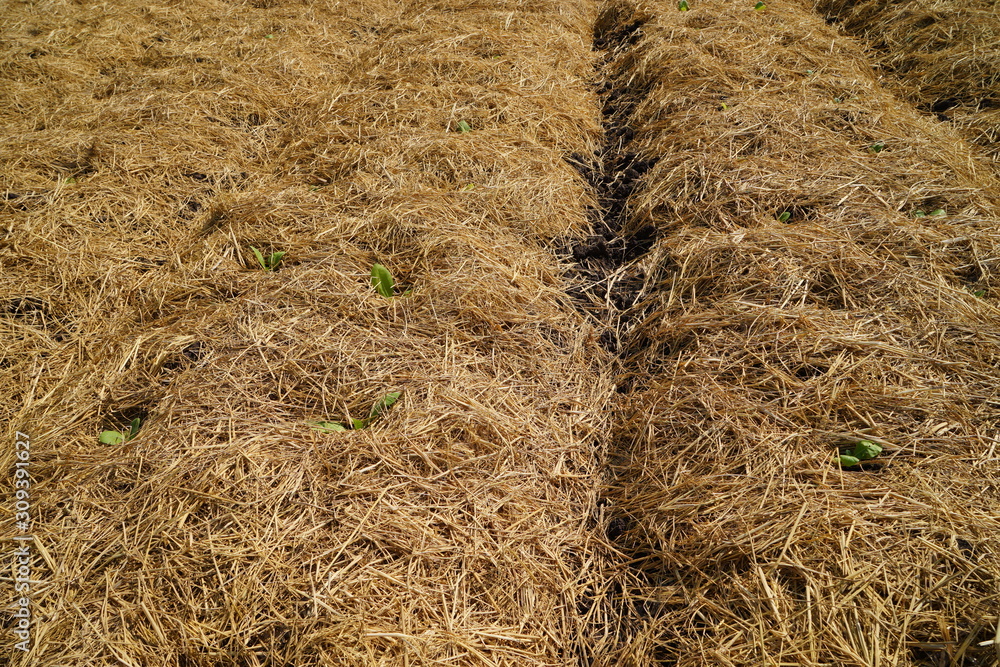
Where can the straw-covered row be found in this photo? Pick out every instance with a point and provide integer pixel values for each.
(824, 273)
(946, 56)
(147, 149)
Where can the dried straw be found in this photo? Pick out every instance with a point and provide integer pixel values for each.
(946, 56)
(760, 345)
(146, 149)
(513, 508)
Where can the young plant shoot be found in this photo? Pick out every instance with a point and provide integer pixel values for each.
(863, 451)
(382, 281)
(380, 406)
(118, 437)
(269, 263)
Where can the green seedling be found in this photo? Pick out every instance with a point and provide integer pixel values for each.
(469, 187)
(683, 5)
(809, 72)
(118, 437)
(863, 451)
(271, 262)
(979, 292)
(837, 100)
(760, 6)
(381, 405)
(784, 217)
(382, 281)
(464, 127)
(723, 107)
(938, 212)
(919, 214)
(877, 147)
(268, 36)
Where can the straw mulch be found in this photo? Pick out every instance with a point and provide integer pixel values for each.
(946, 56)
(758, 348)
(146, 149)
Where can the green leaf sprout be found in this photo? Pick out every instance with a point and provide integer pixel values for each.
(118, 437)
(864, 450)
(380, 406)
(270, 263)
(382, 280)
